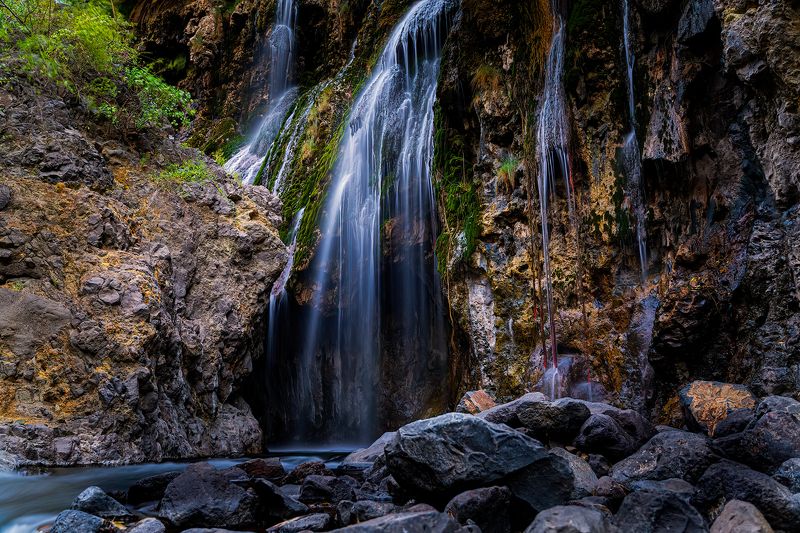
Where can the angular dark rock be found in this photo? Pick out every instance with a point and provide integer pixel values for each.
(547, 482)
(584, 478)
(296, 476)
(670, 454)
(678, 486)
(766, 443)
(150, 488)
(560, 420)
(148, 525)
(489, 508)
(507, 413)
(604, 435)
(788, 474)
(599, 464)
(313, 522)
(365, 510)
(740, 517)
(409, 522)
(94, 501)
(326, 489)
(205, 496)
(270, 469)
(571, 519)
(276, 505)
(736, 422)
(454, 452)
(77, 521)
(371, 453)
(727, 481)
(657, 510)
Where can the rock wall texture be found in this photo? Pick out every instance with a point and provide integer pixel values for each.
(716, 90)
(131, 309)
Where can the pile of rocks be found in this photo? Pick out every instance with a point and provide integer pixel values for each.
(529, 465)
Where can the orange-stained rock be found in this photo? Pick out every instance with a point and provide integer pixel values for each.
(473, 402)
(707, 403)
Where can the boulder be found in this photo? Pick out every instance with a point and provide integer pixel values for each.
(707, 403)
(560, 420)
(205, 496)
(600, 465)
(312, 522)
(488, 508)
(296, 476)
(474, 402)
(670, 454)
(766, 443)
(727, 481)
(547, 482)
(658, 510)
(740, 517)
(736, 422)
(330, 489)
(604, 435)
(584, 479)
(77, 521)
(789, 474)
(365, 510)
(150, 488)
(148, 525)
(270, 468)
(276, 505)
(372, 453)
(408, 522)
(571, 519)
(454, 452)
(507, 413)
(94, 501)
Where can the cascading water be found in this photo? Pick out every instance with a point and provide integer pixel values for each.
(376, 288)
(553, 154)
(631, 156)
(247, 162)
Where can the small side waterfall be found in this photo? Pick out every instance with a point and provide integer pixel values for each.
(631, 156)
(247, 162)
(553, 154)
(376, 290)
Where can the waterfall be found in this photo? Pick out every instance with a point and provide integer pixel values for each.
(278, 294)
(553, 154)
(247, 162)
(631, 156)
(376, 288)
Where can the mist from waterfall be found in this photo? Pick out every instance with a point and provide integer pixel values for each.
(631, 155)
(553, 157)
(248, 161)
(376, 287)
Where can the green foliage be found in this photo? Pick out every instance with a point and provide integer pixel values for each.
(195, 171)
(87, 50)
(507, 171)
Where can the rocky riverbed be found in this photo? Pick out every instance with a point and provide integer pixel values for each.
(530, 465)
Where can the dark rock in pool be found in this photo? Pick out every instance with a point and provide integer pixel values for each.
(658, 510)
(560, 420)
(547, 482)
(788, 474)
(371, 453)
(740, 517)
(326, 489)
(670, 454)
(148, 525)
(727, 481)
(303, 470)
(270, 469)
(313, 522)
(276, 505)
(488, 508)
(571, 519)
(409, 522)
(454, 452)
(78, 521)
(150, 488)
(205, 496)
(507, 413)
(94, 501)
(774, 437)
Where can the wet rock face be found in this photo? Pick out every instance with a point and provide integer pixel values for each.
(130, 312)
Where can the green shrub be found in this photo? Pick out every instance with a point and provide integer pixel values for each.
(195, 171)
(87, 50)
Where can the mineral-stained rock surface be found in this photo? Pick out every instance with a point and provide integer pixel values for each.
(131, 309)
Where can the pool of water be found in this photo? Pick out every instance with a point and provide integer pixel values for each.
(31, 500)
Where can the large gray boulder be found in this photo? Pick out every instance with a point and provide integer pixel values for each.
(657, 510)
(77, 521)
(94, 501)
(669, 454)
(740, 517)
(455, 452)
